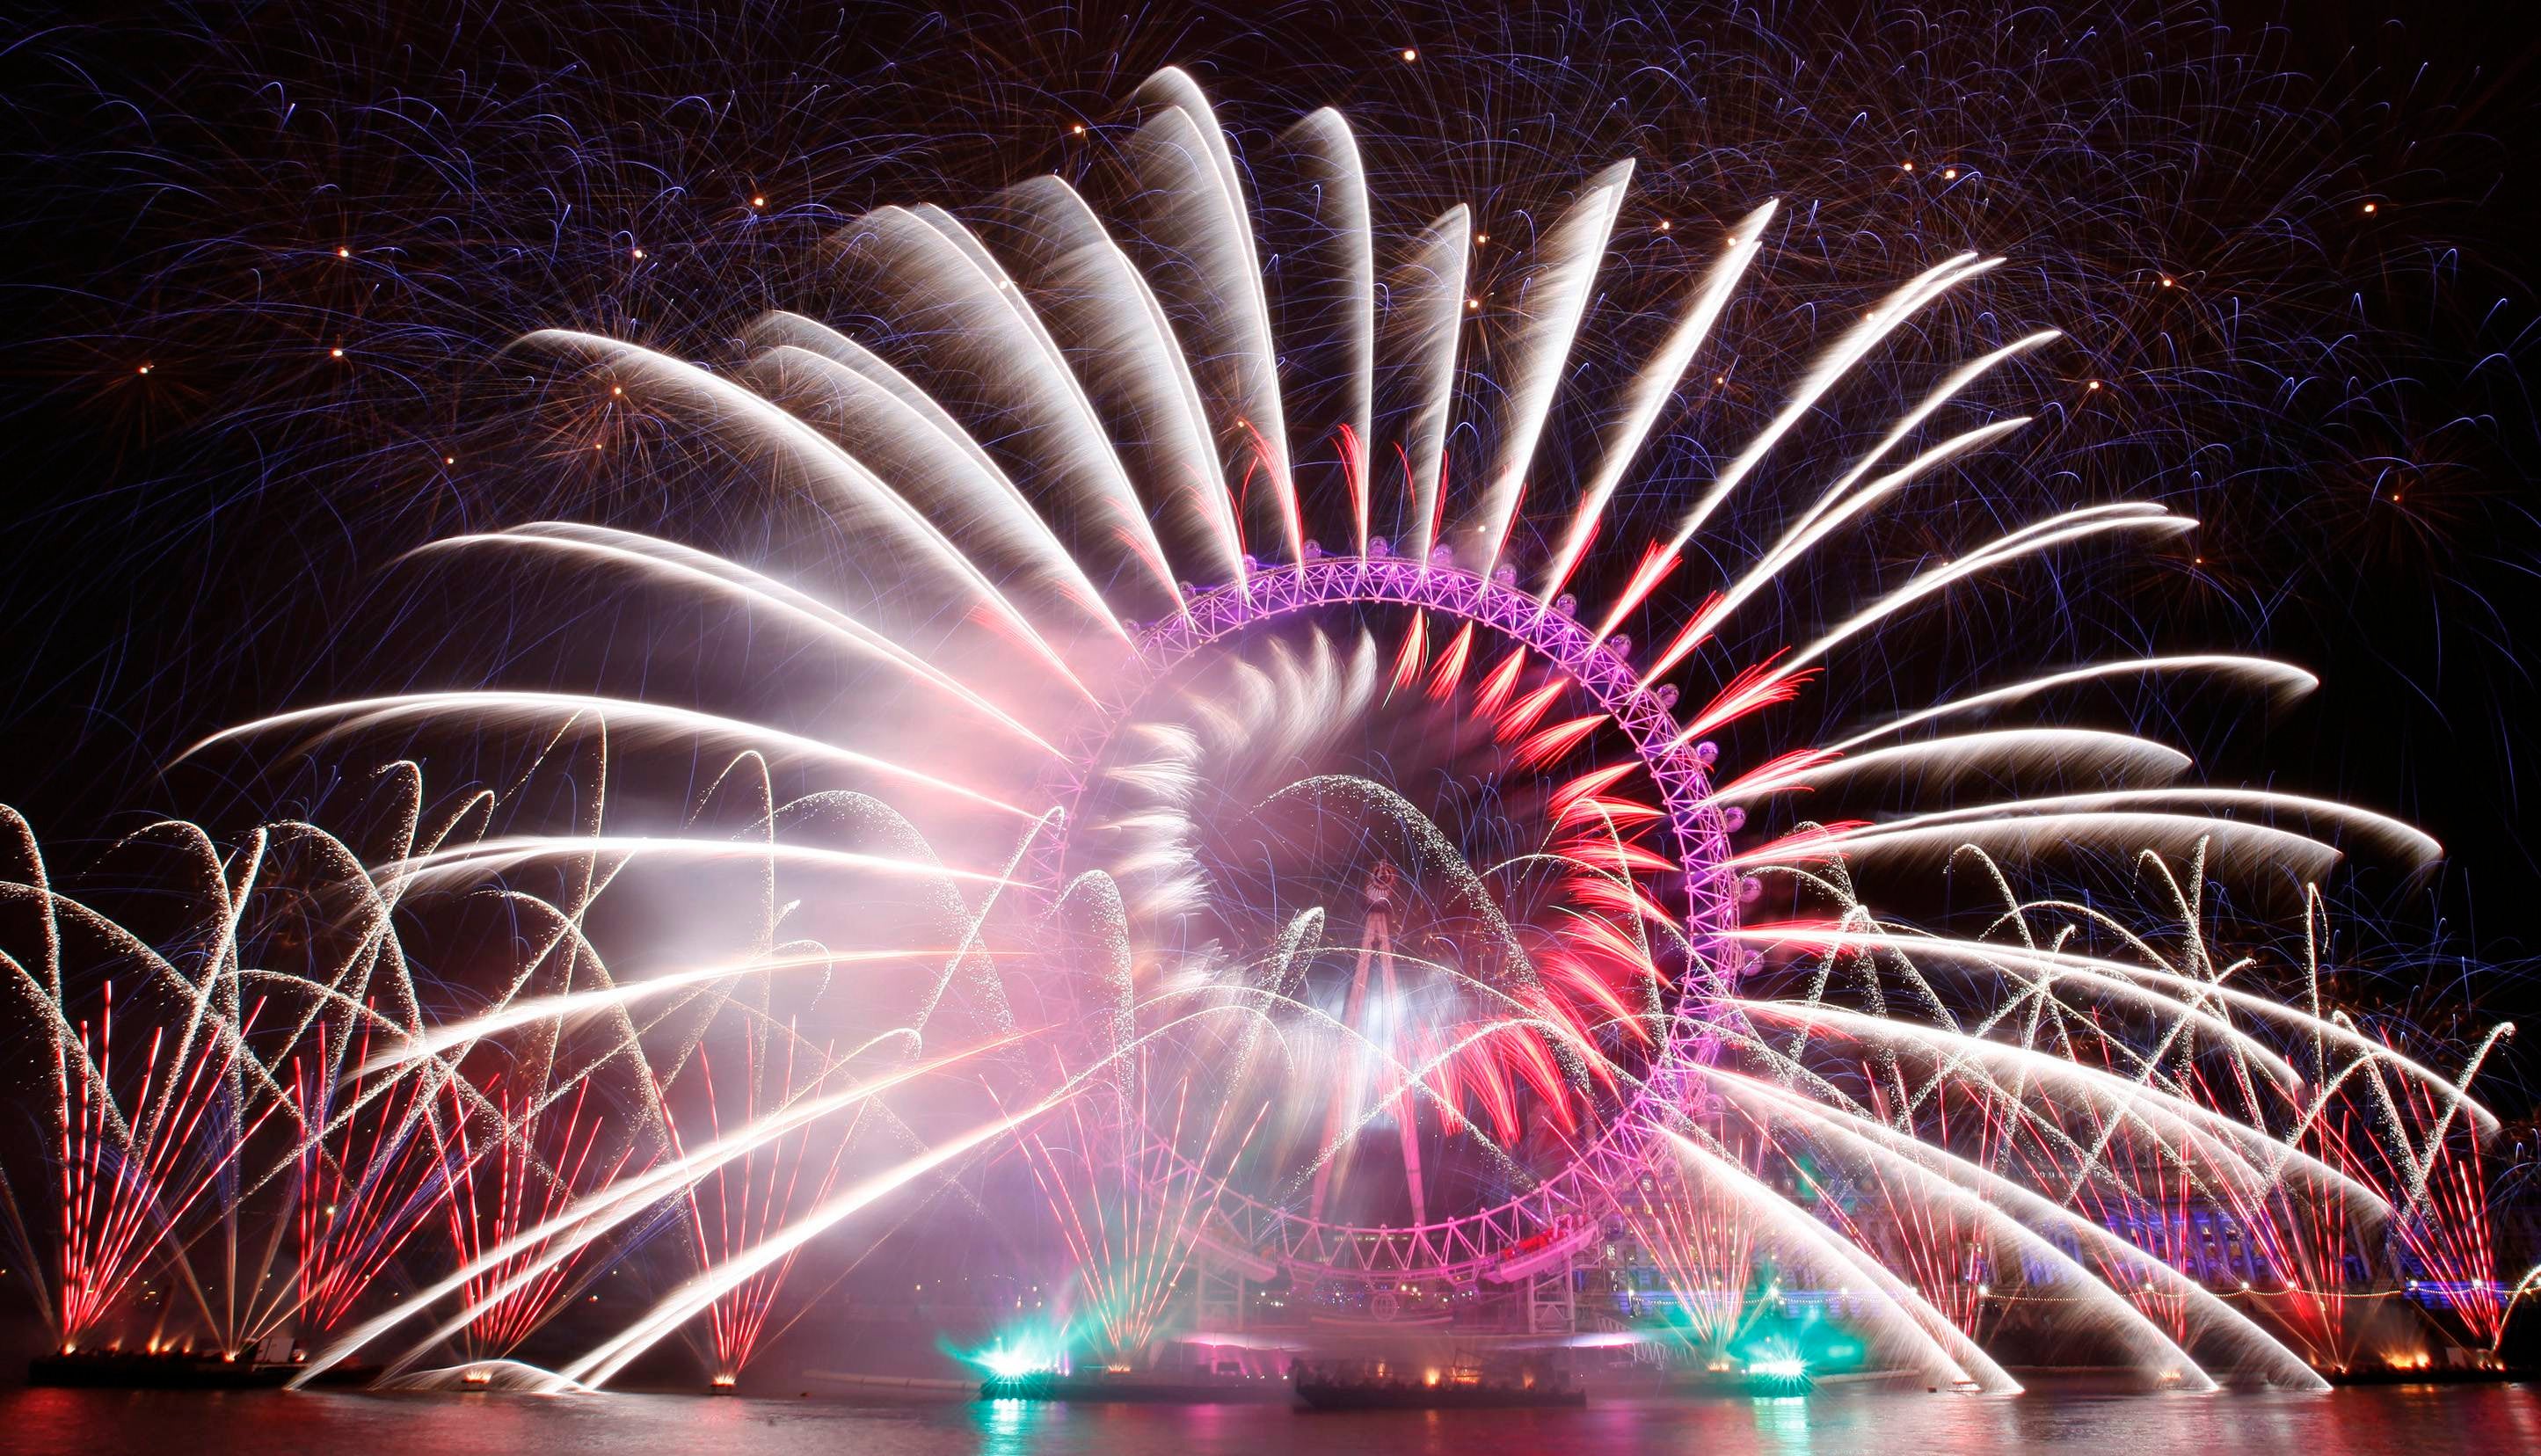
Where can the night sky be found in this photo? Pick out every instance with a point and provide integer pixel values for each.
(206, 206)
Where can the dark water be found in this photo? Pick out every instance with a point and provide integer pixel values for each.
(2416, 1421)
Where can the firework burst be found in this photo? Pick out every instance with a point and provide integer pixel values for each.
(1227, 680)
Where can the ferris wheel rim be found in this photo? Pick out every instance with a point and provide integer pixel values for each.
(1597, 664)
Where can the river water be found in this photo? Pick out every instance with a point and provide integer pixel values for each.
(2404, 1421)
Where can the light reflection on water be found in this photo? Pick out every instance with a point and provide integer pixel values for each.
(2390, 1421)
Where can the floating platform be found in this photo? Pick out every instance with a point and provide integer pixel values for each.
(115, 1370)
(1106, 1386)
(1323, 1395)
(108, 1369)
(918, 1387)
(2428, 1376)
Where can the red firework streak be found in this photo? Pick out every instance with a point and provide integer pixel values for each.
(525, 1168)
(1704, 1245)
(747, 1199)
(2296, 1246)
(1943, 1253)
(1132, 1222)
(128, 1183)
(370, 1167)
(2442, 1222)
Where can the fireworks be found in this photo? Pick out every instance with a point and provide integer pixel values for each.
(1270, 774)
